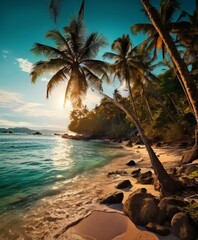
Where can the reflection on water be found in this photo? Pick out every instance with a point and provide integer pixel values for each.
(41, 175)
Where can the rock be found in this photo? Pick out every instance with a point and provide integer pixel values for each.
(191, 168)
(117, 172)
(36, 133)
(145, 178)
(171, 206)
(182, 227)
(190, 155)
(135, 173)
(179, 202)
(158, 144)
(119, 141)
(156, 228)
(116, 197)
(124, 184)
(142, 208)
(129, 144)
(131, 163)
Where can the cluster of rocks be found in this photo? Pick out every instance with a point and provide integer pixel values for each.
(159, 216)
(162, 217)
(165, 216)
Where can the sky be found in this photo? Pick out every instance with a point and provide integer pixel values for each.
(24, 22)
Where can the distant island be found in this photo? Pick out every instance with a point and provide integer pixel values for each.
(28, 131)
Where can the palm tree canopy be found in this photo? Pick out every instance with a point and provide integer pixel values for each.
(130, 63)
(72, 59)
(166, 13)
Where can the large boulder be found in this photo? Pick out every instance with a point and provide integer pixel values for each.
(156, 228)
(142, 208)
(124, 184)
(171, 206)
(182, 227)
(113, 198)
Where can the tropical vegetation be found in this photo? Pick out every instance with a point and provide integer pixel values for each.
(163, 107)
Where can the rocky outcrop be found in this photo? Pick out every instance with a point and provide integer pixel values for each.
(124, 184)
(182, 227)
(142, 208)
(116, 197)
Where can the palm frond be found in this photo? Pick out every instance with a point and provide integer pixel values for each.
(47, 51)
(97, 66)
(42, 67)
(76, 88)
(60, 41)
(145, 28)
(55, 81)
(111, 55)
(93, 80)
(92, 45)
(54, 8)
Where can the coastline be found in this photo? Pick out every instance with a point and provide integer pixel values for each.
(51, 215)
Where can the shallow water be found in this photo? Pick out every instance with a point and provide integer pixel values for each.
(37, 172)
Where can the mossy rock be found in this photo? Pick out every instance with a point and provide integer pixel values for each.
(192, 211)
(194, 174)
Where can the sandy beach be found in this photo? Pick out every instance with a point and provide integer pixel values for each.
(108, 222)
(76, 209)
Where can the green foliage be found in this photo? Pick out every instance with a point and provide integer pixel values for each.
(192, 211)
(193, 174)
(105, 120)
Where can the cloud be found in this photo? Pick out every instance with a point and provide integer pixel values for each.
(44, 79)
(5, 51)
(25, 65)
(16, 111)
(15, 102)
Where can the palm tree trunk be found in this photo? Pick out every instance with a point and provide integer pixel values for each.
(188, 83)
(168, 185)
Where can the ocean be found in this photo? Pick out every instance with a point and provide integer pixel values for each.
(38, 168)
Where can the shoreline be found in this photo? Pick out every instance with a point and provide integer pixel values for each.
(170, 157)
(51, 215)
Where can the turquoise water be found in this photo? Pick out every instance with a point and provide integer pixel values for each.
(32, 167)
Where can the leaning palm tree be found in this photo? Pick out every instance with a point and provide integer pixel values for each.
(72, 60)
(186, 79)
(154, 41)
(128, 68)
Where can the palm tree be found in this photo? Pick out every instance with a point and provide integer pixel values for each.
(71, 60)
(130, 66)
(154, 41)
(128, 69)
(188, 36)
(186, 79)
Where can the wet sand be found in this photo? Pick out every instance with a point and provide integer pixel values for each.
(50, 217)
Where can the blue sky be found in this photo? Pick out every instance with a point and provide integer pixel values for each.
(25, 22)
